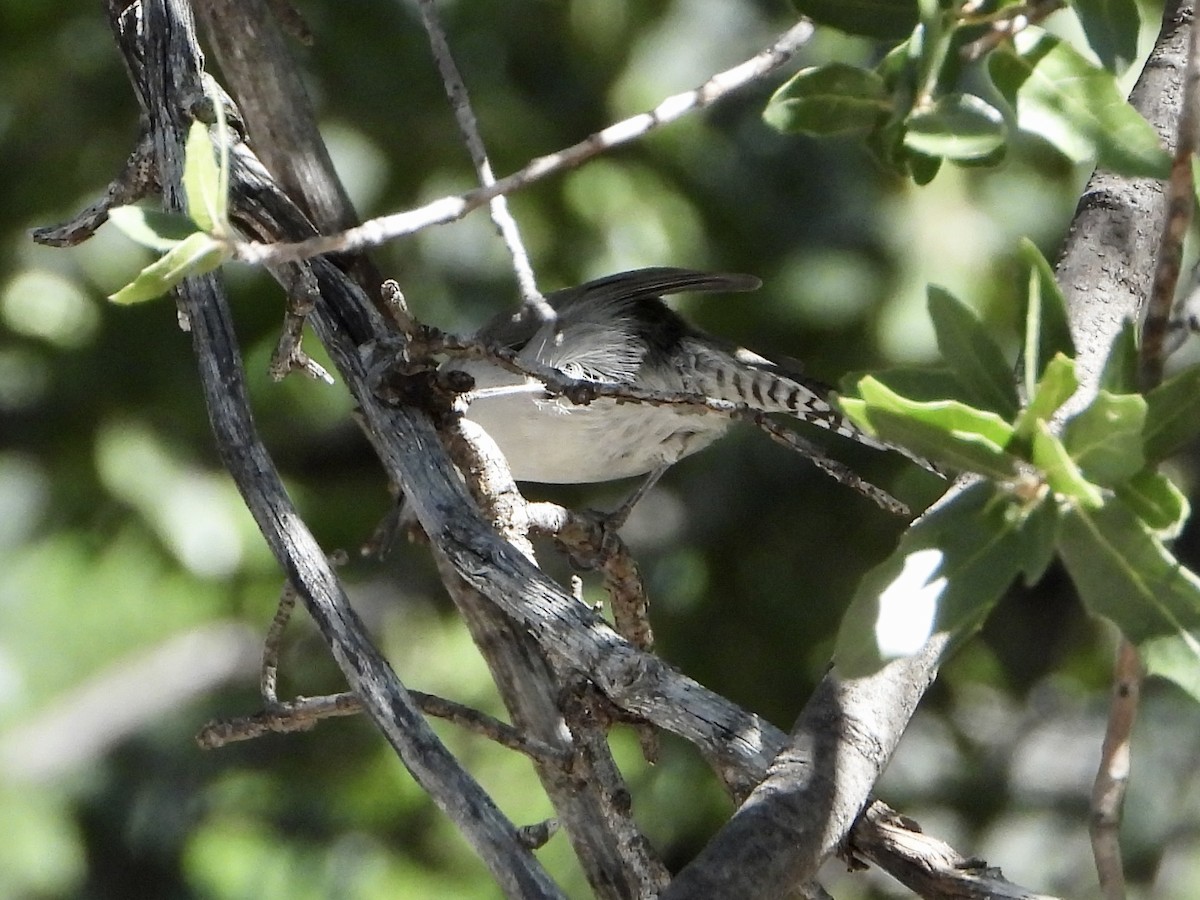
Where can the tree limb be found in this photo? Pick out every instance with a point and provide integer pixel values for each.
(162, 56)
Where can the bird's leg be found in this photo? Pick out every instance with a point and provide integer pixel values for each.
(615, 519)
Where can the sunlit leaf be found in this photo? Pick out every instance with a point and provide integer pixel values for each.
(830, 99)
(1075, 106)
(196, 255)
(1056, 386)
(1047, 329)
(912, 382)
(948, 571)
(202, 181)
(946, 431)
(1120, 372)
(1105, 439)
(152, 228)
(956, 126)
(1061, 472)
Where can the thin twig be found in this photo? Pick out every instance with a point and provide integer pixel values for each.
(1112, 778)
(1180, 206)
(269, 679)
(1005, 24)
(164, 62)
(289, 356)
(303, 713)
(449, 209)
(1108, 792)
(925, 864)
(137, 179)
(592, 545)
(468, 125)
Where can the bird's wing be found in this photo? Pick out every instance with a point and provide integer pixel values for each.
(605, 328)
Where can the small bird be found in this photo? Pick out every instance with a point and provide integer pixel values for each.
(617, 330)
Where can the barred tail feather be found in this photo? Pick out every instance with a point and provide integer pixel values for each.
(746, 377)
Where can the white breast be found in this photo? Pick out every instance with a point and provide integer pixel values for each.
(551, 440)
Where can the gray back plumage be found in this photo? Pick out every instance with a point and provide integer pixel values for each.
(617, 329)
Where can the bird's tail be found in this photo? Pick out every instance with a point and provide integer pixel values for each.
(762, 384)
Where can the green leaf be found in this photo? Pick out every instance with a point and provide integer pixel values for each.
(1172, 414)
(1039, 539)
(830, 99)
(152, 228)
(1111, 28)
(945, 431)
(1047, 330)
(1120, 372)
(956, 126)
(972, 354)
(1062, 474)
(1125, 574)
(883, 19)
(202, 181)
(944, 577)
(1105, 439)
(195, 255)
(1155, 500)
(911, 382)
(950, 415)
(1057, 384)
(1075, 106)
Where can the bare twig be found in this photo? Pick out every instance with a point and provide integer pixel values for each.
(303, 713)
(1108, 791)
(468, 126)
(594, 785)
(288, 357)
(158, 42)
(1006, 23)
(930, 867)
(136, 179)
(449, 209)
(1180, 205)
(592, 545)
(269, 678)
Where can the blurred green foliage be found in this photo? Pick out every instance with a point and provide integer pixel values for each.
(134, 589)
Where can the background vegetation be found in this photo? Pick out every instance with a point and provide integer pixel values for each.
(133, 586)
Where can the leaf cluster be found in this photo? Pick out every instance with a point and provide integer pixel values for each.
(193, 244)
(1086, 490)
(936, 97)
